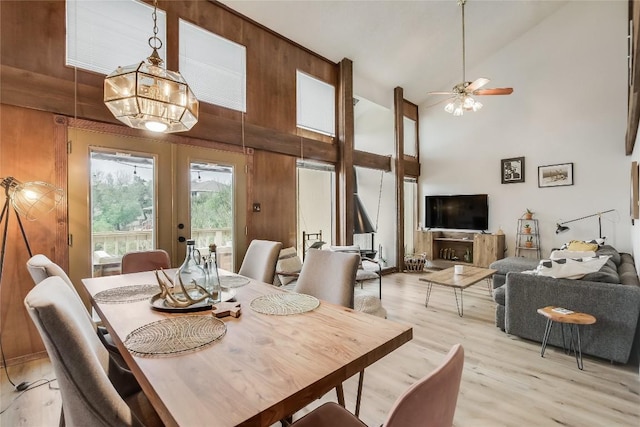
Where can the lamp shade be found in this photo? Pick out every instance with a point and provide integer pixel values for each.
(35, 198)
(147, 96)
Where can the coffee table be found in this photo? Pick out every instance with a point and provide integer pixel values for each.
(470, 276)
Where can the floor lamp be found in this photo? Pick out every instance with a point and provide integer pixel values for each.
(561, 228)
(27, 200)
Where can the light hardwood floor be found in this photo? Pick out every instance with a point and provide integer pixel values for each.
(505, 381)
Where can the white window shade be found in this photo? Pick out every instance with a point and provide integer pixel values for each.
(410, 137)
(214, 67)
(316, 104)
(103, 35)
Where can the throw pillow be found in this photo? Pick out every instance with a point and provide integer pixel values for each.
(598, 242)
(560, 254)
(578, 245)
(570, 268)
(288, 262)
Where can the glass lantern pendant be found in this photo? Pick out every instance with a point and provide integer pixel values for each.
(148, 96)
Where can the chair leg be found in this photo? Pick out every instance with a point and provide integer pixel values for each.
(359, 397)
(340, 394)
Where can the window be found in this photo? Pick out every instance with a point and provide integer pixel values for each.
(410, 137)
(103, 35)
(316, 104)
(214, 67)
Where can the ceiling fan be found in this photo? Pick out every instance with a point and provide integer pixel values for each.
(461, 99)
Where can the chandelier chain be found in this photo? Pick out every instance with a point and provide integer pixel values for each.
(154, 41)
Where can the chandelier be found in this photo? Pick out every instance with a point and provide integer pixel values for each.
(148, 96)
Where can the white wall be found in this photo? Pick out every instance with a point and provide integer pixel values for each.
(569, 104)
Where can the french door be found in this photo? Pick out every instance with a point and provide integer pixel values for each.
(128, 194)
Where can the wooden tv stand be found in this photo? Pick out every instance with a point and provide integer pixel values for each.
(446, 248)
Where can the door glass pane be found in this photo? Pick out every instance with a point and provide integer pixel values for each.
(211, 195)
(122, 207)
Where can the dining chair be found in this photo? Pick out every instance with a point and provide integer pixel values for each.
(431, 402)
(135, 262)
(368, 268)
(259, 262)
(40, 267)
(83, 367)
(330, 276)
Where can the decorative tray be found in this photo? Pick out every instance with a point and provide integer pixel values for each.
(158, 303)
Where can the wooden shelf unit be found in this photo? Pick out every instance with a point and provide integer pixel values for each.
(485, 248)
(521, 238)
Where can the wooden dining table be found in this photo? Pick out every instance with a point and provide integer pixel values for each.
(263, 369)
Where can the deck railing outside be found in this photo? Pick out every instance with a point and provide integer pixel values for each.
(108, 247)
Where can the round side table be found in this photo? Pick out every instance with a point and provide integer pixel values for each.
(573, 319)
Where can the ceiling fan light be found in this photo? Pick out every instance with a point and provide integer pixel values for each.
(449, 107)
(458, 111)
(468, 102)
(476, 106)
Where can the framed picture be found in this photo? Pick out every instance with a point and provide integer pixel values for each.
(555, 175)
(635, 208)
(512, 170)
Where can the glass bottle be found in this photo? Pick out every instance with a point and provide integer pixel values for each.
(191, 272)
(213, 283)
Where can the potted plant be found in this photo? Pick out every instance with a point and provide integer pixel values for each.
(529, 242)
(527, 229)
(528, 214)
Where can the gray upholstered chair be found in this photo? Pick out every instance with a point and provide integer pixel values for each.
(135, 262)
(82, 365)
(41, 267)
(330, 276)
(259, 262)
(431, 402)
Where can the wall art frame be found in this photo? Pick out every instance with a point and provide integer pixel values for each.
(558, 175)
(512, 170)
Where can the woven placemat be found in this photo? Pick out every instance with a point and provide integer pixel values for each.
(284, 304)
(233, 281)
(125, 294)
(175, 335)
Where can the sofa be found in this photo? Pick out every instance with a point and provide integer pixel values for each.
(611, 294)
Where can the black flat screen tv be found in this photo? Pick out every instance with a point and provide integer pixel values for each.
(464, 212)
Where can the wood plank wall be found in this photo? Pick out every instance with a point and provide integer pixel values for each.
(275, 190)
(27, 153)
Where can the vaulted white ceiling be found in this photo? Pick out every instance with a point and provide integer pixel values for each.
(416, 45)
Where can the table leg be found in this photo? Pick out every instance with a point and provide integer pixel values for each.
(545, 338)
(576, 345)
(460, 306)
(489, 286)
(426, 301)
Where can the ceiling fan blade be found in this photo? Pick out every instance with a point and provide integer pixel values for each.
(477, 84)
(494, 91)
(440, 93)
(440, 101)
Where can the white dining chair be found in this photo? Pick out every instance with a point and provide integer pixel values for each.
(259, 262)
(82, 365)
